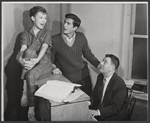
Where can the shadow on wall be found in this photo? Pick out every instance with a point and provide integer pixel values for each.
(27, 23)
(14, 85)
(13, 70)
(81, 29)
(56, 27)
(120, 71)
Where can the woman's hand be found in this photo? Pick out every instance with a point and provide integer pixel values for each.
(34, 60)
(29, 64)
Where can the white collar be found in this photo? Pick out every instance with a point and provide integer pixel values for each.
(108, 78)
(70, 39)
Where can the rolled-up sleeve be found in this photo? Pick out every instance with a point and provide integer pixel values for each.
(23, 38)
(48, 38)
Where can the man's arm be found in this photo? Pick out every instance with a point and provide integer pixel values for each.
(94, 98)
(87, 53)
(115, 104)
(55, 68)
(53, 55)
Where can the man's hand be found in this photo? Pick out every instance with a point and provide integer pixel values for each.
(57, 71)
(99, 66)
(93, 113)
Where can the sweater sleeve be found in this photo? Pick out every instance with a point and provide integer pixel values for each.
(53, 51)
(53, 55)
(87, 53)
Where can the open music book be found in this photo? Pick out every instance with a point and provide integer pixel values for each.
(56, 90)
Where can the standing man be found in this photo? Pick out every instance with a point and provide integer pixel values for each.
(69, 47)
(108, 98)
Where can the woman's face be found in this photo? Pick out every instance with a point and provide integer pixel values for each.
(39, 20)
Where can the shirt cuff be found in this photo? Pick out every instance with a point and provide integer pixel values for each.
(99, 114)
(89, 103)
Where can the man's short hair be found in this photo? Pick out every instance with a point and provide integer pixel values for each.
(33, 11)
(114, 60)
(75, 18)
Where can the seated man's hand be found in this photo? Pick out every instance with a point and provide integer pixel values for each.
(99, 66)
(57, 71)
(93, 113)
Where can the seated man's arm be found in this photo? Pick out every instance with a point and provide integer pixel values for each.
(115, 104)
(87, 53)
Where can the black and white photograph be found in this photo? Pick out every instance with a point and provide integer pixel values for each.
(74, 61)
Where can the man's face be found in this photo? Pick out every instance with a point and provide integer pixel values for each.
(68, 26)
(106, 65)
(40, 20)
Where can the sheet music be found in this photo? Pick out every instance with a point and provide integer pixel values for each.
(56, 90)
(62, 83)
(74, 95)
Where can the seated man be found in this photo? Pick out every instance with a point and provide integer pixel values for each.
(108, 100)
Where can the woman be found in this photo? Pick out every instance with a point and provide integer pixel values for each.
(35, 57)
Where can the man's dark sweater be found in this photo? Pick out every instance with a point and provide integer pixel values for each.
(70, 60)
